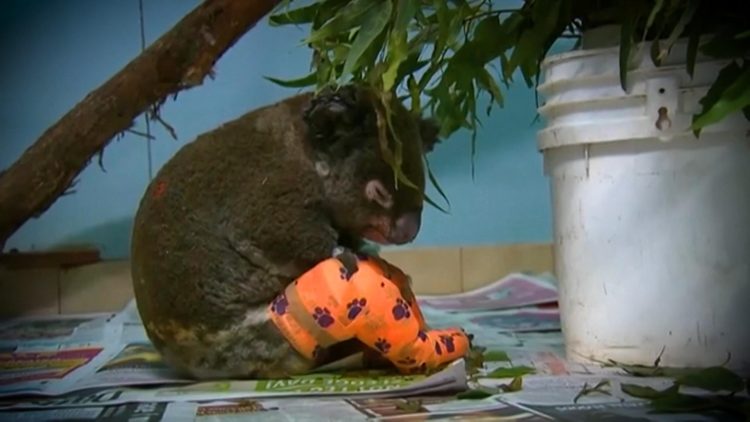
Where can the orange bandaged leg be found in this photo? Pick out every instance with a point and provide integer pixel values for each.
(375, 305)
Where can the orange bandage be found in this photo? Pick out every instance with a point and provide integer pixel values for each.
(375, 305)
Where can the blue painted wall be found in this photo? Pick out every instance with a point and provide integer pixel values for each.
(56, 51)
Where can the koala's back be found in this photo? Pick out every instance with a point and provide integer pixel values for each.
(208, 238)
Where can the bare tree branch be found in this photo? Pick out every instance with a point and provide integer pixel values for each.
(179, 60)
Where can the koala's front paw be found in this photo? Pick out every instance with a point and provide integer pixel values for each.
(348, 259)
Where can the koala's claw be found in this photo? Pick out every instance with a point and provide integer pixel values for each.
(347, 258)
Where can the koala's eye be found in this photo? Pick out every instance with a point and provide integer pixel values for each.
(376, 192)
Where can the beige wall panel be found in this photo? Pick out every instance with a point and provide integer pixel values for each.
(101, 287)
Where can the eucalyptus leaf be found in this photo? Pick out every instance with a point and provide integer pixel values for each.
(722, 45)
(375, 21)
(652, 16)
(298, 16)
(398, 48)
(409, 405)
(515, 385)
(474, 394)
(717, 378)
(496, 356)
(301, 82)
(646, 392)
(692, 48)
(510, 372)
(435, 183)
(681, 403)
(729, 93)
(630, 16)
(687, 14)
(348, 17)
(415, 95)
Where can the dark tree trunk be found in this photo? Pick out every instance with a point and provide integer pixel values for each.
(179, 60)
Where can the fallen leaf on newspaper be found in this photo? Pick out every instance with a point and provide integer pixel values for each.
(652, 371)
(411, 406)
(713, 379)
(496, 356)
(475, 394)
(475, 361)
(598, 388)
(682, 403)
(510, 372)
(515, 385)
(645, 392)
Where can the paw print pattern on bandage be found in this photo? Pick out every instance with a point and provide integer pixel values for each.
(438, 349)
(422, 335)
(447, 341)
(401, 310)
(280, 304)
(382, 345)
(323, 317)
(355, 307)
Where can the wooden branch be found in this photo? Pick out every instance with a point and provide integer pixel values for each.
(179, 60)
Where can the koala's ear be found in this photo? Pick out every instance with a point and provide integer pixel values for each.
(332, 111)
(429, 131)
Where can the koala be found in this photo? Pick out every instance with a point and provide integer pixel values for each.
(246, 208)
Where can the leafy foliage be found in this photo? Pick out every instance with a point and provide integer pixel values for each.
(723, 384)
(440, 55)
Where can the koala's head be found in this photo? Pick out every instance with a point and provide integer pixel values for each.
(361, 190)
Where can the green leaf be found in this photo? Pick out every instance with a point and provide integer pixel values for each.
(375, 21)
(654, 11)
(409, 405)
(415, 95)
(298, 16)
(645, 392)
(487, 82)
(301, 82)
(515, 385)
(630, 16)
(687, 14)
(729, 93)
(510, 372)
(435, 183)
(475, 394)
(536, 35)
(496, 356)
(681, 403)
(347, 18)
(714, 379)
(723, 45)
(652, 371)
(398, 48)
(692, 48)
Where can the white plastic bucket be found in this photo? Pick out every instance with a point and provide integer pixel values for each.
(651, 226)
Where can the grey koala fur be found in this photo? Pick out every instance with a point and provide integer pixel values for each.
(239, 213)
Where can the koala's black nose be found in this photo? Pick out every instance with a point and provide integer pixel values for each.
(406, 227)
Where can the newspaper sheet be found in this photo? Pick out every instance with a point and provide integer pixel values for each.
(450, 379)
(559, 398)
(55, 356)
(349, 409)
(513, 291)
